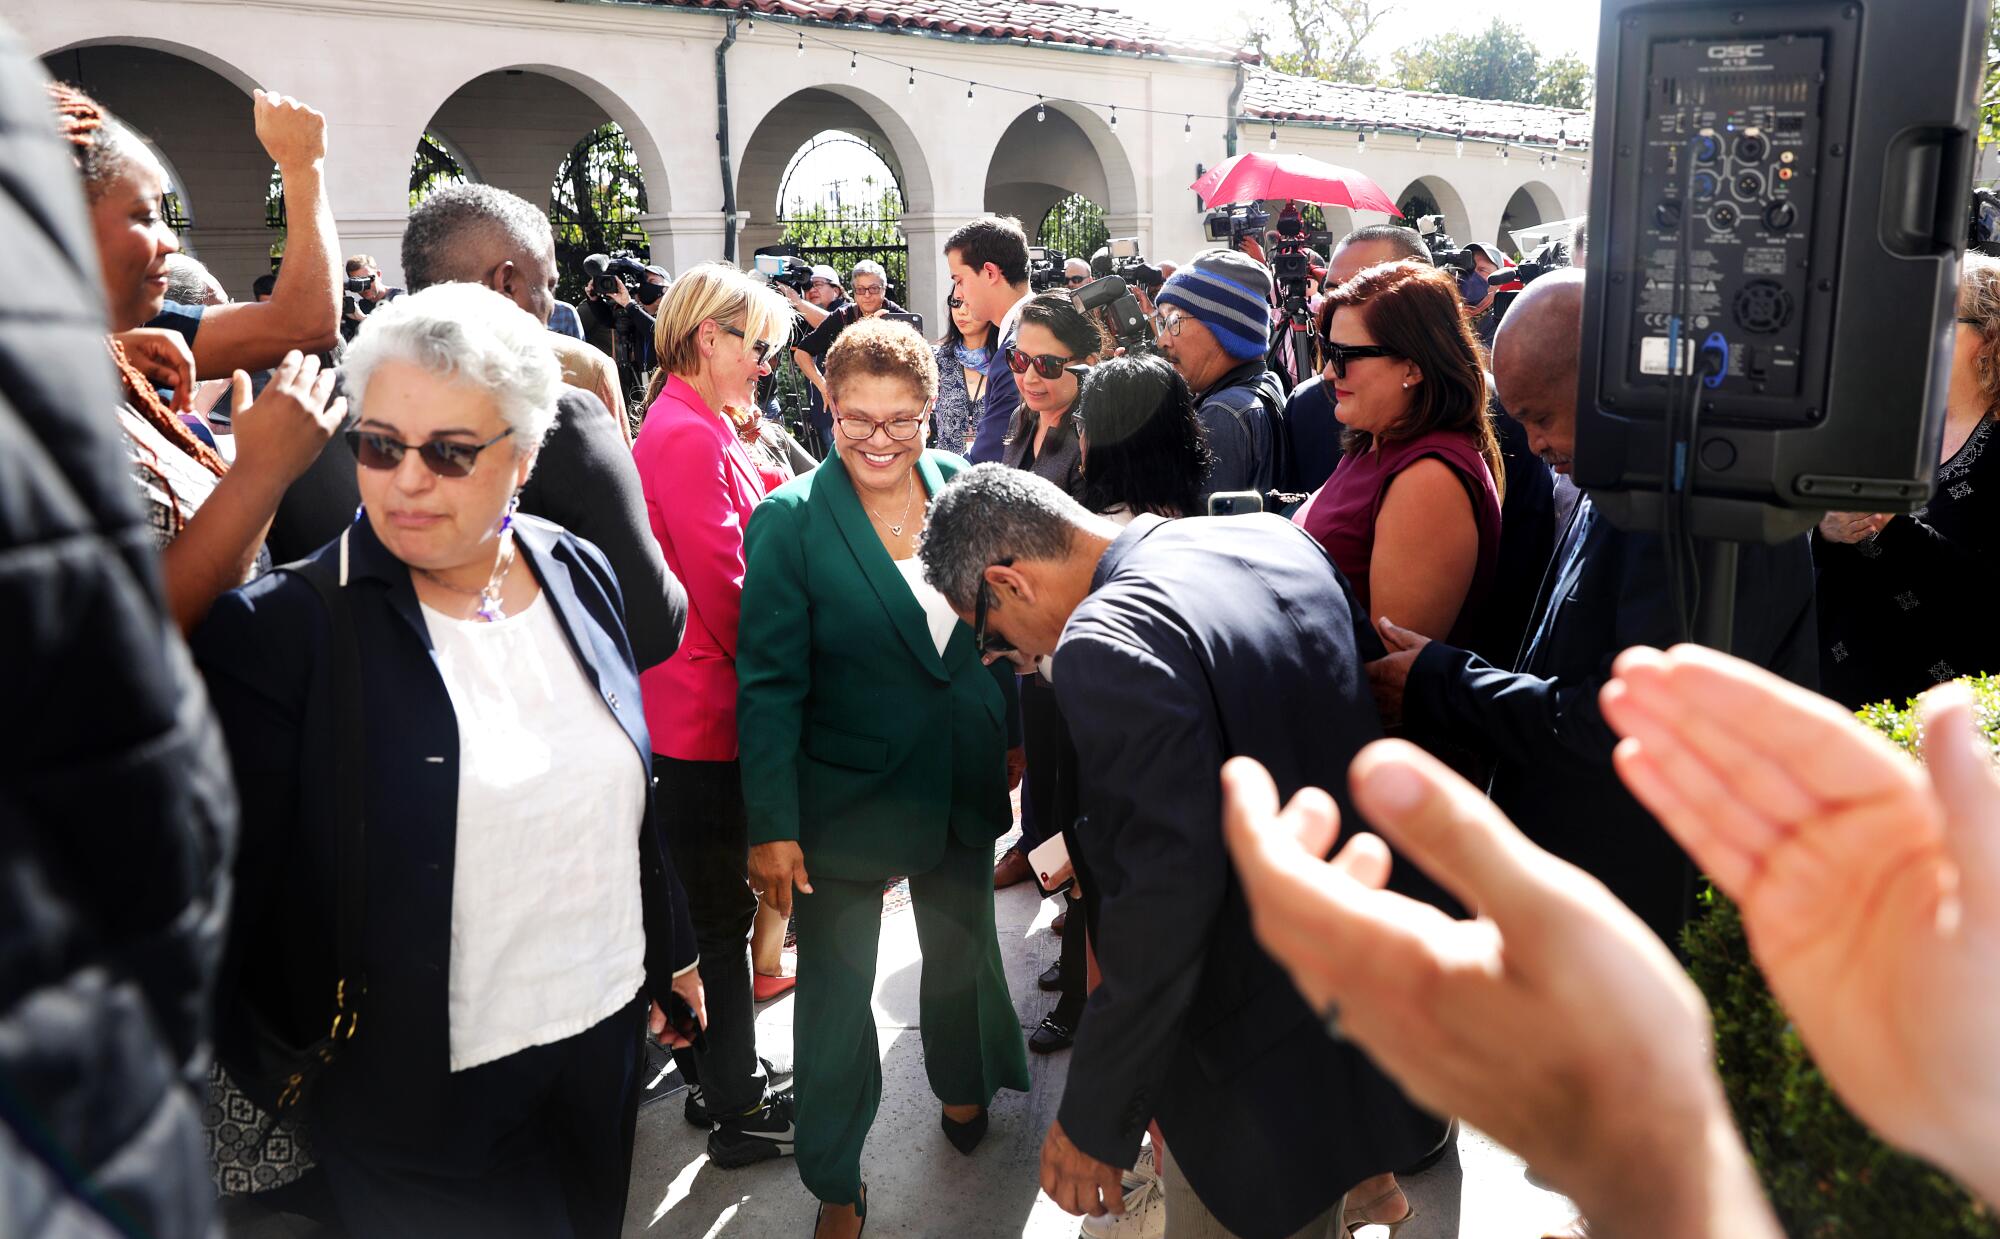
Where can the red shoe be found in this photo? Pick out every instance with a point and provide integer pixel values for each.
(1012, 870)
(766, 988)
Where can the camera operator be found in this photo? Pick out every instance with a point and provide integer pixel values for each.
(615, 322)
(871, 300)
(365, 290)
(1488, 262)
(824, 299)
(1215, 326)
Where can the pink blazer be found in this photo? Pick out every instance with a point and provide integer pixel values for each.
(700, 487)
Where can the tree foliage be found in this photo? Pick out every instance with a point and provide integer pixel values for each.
(1323, 39)
(1500, 62)
(595, 203)
(1989, 91)
(1075, 226)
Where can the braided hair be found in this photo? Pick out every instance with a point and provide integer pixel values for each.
(100, 153)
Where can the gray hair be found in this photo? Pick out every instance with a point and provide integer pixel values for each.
(990, 513)
(868, 266)
(464, 333)
(190, 283)
(462, 231)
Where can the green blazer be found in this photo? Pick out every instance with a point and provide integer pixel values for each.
(857, 739)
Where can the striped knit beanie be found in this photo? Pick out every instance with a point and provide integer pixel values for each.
(1230, 294)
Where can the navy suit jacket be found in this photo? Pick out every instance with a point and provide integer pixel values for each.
(1201, 640)
(1554, 775)
(265, 652)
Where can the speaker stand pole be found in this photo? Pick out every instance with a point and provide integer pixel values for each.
(1714, 626)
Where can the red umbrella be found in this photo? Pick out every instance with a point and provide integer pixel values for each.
(1253, 176)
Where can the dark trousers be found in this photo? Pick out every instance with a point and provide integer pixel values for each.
(537, 1144)
(1048, 808)
(708, 832)
(971, 1035)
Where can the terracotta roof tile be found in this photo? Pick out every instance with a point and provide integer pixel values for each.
(1270, 95)
(1041, 21)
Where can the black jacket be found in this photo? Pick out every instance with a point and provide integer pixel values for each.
(584, 481)
(1242, 413)
(1203, 640)
(116, 814)
(1554, 776)
(265, 651)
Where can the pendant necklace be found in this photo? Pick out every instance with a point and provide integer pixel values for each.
(489, 597)
(909, 497)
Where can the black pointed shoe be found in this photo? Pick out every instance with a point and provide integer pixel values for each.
(860, 1211)
(965, 1136)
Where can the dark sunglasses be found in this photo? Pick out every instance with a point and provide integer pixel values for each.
(443, 457)
(1076, 280)
(954, 302)
(1341, 354)
(1048, 365)
(761, 349)
(982, 641)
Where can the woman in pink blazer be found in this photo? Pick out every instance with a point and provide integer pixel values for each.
(716, 333)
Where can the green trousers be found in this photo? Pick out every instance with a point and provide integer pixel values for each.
(972, 1039)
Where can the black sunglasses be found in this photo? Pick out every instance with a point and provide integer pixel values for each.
(444, 457)
(1075, 280)
(954, 302)
(982, 641)
(1341, 354)
(1048, 365)
(761, 349)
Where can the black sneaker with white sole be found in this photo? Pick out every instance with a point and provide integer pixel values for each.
(696, 1107)
(760, 1135)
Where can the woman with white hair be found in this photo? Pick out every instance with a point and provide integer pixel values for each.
(449, 848)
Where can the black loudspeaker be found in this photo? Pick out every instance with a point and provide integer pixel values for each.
(1777, 211)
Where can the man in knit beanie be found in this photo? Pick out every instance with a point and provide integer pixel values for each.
(1214, 325)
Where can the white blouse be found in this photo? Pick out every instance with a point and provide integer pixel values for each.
(936, 610)
(547, 929)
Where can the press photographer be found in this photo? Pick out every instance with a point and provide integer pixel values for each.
(618, 288)
(871, 300)
(364, 290)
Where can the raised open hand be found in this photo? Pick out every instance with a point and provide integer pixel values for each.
(1869, 886)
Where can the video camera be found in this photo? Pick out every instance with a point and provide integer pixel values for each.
(1291, 266)
(1122, 259)
(1982, 234)
(781, 265)
(605, 272)
(1229, 225)
(1045, 268)
(1449, 256)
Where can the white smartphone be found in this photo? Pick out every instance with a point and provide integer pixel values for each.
(1050, 861)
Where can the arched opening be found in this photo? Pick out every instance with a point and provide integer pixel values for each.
(561, 141)
(1532, 204)
(1430, 195)
(217, 172)
(1062, 172)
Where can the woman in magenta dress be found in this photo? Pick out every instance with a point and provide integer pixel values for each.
(1412, 512)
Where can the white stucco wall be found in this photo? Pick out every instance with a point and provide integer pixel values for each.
(385, 70)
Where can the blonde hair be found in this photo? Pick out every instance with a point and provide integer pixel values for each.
(714, 290)
(1979, 298)
(883, 348)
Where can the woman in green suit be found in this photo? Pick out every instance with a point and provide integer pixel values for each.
(875, 744)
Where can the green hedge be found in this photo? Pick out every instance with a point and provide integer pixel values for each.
(1826, 1175)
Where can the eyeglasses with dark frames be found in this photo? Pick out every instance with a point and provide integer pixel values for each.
(760, 349)
(1341, 354)
(447, 458)
(1166, 325)
(861, 429)
(983, 641)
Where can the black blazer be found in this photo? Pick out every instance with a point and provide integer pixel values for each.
(264, 651)
(584, 481)
(1554, 775)
(1201, 640)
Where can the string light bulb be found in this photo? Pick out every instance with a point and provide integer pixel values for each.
(853, 64)
(1114, 116)
(1458, 147)
(913, 80)
(1274, 137)
(1187, 130)
(802, 46)
(1361, 141)
(749, 25)
(1504, 152)
(1420, 146)
(968, 93)
(1041, 114)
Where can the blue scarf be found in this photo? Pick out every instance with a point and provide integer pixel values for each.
(975, 358)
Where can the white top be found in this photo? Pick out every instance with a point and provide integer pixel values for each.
(936, 609)
(547, 932)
